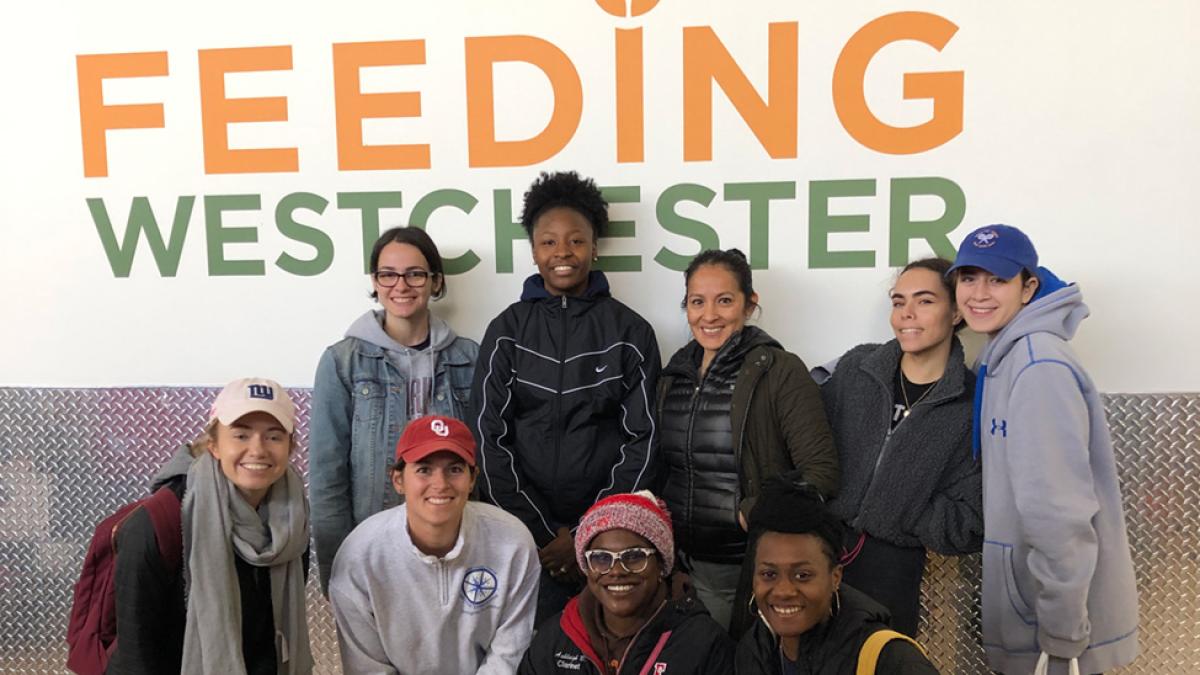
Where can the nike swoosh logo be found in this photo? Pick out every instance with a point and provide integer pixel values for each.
(601, 369)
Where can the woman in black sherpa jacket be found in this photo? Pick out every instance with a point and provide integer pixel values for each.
(901, 417)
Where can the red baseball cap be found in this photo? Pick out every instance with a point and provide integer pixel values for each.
(434, 433)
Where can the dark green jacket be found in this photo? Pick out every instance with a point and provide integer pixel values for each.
(777, 417)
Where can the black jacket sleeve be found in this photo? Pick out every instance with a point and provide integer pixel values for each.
(637, 466)
(491, 421)
(952, 523)
(149, 604)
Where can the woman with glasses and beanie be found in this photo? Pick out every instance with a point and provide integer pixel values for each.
(626, 619)
(395, 364)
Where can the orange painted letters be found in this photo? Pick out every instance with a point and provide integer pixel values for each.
(217, 111)
(95, 118)
(483, 147)
(705, 60)
(945, 88)
(353, 106)
(631, 106)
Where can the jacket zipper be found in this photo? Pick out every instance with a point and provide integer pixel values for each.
(562, 335)
(882, 451)
(687, 460)
(638, 634)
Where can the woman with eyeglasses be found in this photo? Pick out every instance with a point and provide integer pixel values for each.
(808, 620)
(626, 619)
(395, 364)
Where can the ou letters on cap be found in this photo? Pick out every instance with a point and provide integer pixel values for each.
(435, 433)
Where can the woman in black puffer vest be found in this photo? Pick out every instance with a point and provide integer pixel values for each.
(734, 409)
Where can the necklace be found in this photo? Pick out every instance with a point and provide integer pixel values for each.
(904, 392)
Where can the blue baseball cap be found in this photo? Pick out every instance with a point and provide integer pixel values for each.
(1002, 250)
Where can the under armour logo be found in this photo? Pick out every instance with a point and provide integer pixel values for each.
(261, 391)
(1002, 427)
(985, 239)
(660, 668)
(440, 428)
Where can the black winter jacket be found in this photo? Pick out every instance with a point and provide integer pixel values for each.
(832, 648)
(755, 414)
(681, 636)
(561, 405)
(151, 612)
(926, 489)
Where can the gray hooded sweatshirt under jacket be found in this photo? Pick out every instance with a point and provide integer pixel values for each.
(368, 387)
(1057, 573)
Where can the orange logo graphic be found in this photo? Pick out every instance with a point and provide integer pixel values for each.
(627, 7)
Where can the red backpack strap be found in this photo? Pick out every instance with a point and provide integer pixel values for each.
(164, 508)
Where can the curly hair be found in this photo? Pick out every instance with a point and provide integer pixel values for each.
(565, 188)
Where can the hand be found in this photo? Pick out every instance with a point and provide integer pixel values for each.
(558, 558)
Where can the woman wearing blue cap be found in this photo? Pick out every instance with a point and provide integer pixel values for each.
(1058, 581)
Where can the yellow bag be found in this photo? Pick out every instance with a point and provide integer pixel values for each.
(868, 656)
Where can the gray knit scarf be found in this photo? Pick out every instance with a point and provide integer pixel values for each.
(218, 524)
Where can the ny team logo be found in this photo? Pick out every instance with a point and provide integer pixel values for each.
(261, 391)
(478, 586)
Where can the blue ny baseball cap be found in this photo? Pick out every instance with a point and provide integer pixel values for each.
(1002, 250)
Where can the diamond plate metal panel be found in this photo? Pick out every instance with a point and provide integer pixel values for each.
(70, 456)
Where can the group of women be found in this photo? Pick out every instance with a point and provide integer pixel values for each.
(796, 509)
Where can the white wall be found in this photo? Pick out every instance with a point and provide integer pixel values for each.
(1079, 125)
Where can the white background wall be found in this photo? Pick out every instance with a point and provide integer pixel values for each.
(1080, 126)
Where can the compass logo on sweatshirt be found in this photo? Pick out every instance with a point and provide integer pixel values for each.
(479, 586)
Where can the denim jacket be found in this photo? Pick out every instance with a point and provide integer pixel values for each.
(359, 410)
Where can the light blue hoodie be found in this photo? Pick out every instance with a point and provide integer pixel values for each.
(1057, 572)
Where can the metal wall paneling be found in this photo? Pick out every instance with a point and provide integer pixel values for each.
(68, 457)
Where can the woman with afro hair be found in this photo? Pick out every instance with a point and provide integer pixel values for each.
(561, 405)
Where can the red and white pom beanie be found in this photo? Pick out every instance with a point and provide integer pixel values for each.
(639, 512)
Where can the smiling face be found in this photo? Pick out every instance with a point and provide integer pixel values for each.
(923, 313)
(403, 301)
(794, 582)
(435, 489)
(253, 454)
(716, 306)
(625, 595)
(988, 302)
(564, 244)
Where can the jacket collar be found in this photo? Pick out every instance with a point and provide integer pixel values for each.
(882, 363)
(446, 357)
(732, 355)
(534, 288)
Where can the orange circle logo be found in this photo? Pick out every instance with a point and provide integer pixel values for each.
(627, 7)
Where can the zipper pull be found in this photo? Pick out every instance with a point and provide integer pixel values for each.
(564, 301)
